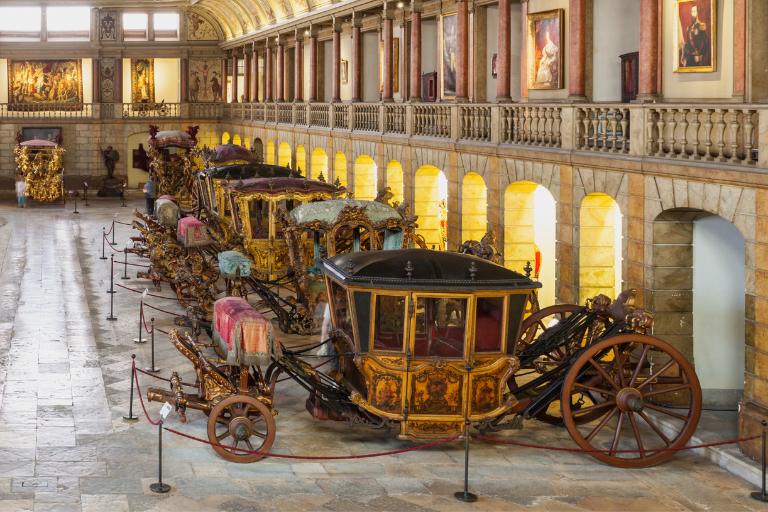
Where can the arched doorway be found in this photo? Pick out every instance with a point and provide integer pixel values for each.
(301, 160)
(137, 164)
(530, 225)
(270, 156)
(394, 178)
(365, 178)
(319, 164)
(236, 140)
(698, 289)
(599, 247)
(474, 207)
(258, 149)
(340, 169)
(431, 206)
(226, 138)
(284, 154)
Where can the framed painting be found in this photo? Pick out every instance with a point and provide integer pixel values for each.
(45, 82)
(395, 65)
(205, 80)
(696, 39)
(344, 71)
(142, 80)
(545, 51)
(448, 50)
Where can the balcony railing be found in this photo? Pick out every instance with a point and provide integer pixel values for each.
(151, 110)
(47, 111)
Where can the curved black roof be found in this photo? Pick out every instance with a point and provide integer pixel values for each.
(245, 171)
(422, 269)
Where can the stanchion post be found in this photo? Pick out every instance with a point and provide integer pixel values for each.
(465, 495)
(761, 494)
(159, 487)
(125, 265)
(141, 322)
(152, 368)
(131, 416)
(113, 231)
(111, 290)
(103, 239)
(75, 212)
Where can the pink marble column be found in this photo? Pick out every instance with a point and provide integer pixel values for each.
(503, 56)
(357, 61)
(739, 48)
(268, 73)
(96, 82)
(387, 94)
(247, 76)
(184, 80)
(255, 74)
(462, 51)
(298, 69)
(235, 91)
(524, 51)
(648, 74)
(280, 72)
(577, 21)
(313, 66)
(415, 78)
(336, 67)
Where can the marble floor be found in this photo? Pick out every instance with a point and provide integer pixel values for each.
(64, 381)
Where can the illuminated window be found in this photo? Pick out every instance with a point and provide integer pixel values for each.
(69, 23)
(20, 23)
(166, 26)
(135, 26)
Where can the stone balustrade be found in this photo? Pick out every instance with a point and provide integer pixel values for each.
(602, 128)
(365, 117)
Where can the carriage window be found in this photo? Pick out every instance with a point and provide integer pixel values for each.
(389, 324)
(440, 326)
(489, 324)
(259, 213)
(363, 312)
(288, 204)
(341, 310)
(517, 304)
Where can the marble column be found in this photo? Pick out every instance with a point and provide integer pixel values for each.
(184, 80)
(227, 74)
(255, 74)
(577, 59)
(648, 74)
(312, 65)
(298, 68)
(524, 50)
(280, 73)
(503, 56)
(357, 61)
(462, 51)
(739, 48)
(96, 82)
(235, 90)
(336, 66)
(387, 94)
(247, 76)
(268, 72)
(415, 78)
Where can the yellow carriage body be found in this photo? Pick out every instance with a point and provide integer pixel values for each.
(433, 336)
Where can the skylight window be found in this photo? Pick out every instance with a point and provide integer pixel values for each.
(166, 26)
(135, 26)
(20, 23)
(69, 23)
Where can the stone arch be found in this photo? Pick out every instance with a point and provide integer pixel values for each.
(364, 178)
(258, 149)
(394, 179)
(237, 140)
(600, 246)
(301, 160)
(340, 168)
(318, 164)
(269, 157)
(430, 205)
(284, 155)
(226, 138)
(474, 207)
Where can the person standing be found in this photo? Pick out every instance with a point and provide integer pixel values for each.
(149, 194)
(21, 191)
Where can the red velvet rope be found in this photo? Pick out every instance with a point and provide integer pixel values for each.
(141, 398)
(150, 306)
(148, 294)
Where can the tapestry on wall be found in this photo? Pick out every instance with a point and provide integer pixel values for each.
(142, 80)
(108, 25)
(395, 65)
(206, 80)
(545, 54)
(45, 82)
(696, 38)
(199, 29)
(108, 79)
(449, 51)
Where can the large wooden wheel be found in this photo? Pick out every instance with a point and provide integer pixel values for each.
(241, 421)
(541, 320)
(650, 399)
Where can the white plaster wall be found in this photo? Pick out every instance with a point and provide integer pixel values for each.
(327, 49)
(305, 65)
(516, 22)
(699, 85)
(718, 303)
(370, 66)
(611, 39)
(167, 80)
(492, 46)
(429, 45)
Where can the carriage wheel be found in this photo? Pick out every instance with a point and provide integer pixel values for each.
(651, 400)
(241, 421)
(540, 320)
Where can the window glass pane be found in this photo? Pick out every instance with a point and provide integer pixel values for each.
(166, 26)
(341, 309)
(20, 23)
(489, 324)
(69, 19)
(135, 21)
(363, 312)
(440, 325)
(389, 324)
(259, 211)
(517, 304)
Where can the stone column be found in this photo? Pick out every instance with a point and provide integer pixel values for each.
(648, 79)
(267, 72)
(255, 74)
(298, 68)
(524, 51)
(386, 93)
(96, 82)
(462, 50)
(739, 48)
(312, 64)
(503, 57)
(577, 21)
(336, 66)
(247, 76)
(235, 91)
(357, 60)
(280, 72)
(415, 79)
(184, 80)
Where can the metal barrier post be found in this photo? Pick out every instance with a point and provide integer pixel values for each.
(103, 239)
(125, 265)
(761, 494)
(152, 368)
(111, 290)
(141, 322)
(113, 231)
(159, 487)
(465, 495)
(131, 416)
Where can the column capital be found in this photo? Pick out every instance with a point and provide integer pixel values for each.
(311, 31)
(357, 20)
(388, 10)
(416, 6)
(336, 24)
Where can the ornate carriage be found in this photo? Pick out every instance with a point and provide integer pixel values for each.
(174, 161)
(41, 162)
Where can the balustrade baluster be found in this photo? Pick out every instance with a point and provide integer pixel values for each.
(720, 133)
(695, 126)
(684, 132)
(734, 129)
(749, 128)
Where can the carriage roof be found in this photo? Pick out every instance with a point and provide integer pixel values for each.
(280, 186)
(172, 139)
(328, 212)
(246, 171)
(39, 144)
(422, 269)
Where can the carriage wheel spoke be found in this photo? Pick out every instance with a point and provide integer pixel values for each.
(600, 425)
(655, 428)
(618, 364)
(636, 431)
(656, 374)
(639, 366)
(592, 388)
(668, 390)
(617, 434)
(249, 445)
(593, 408)
(223, 435)
(604, 374)
(666, 411)
(259, 434)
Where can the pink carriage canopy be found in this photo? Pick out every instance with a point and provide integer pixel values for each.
(243, 333)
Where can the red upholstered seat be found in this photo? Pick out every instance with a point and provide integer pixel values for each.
(243, 331)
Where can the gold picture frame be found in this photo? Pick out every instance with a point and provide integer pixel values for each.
(448, 55)
(142, 80)
(696, 36)
(545, 49)
(344, 71)
(395, 65)
(45, 82)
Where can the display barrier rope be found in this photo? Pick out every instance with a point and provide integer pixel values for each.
(150, 306)
(134, 290)
(124, 223)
